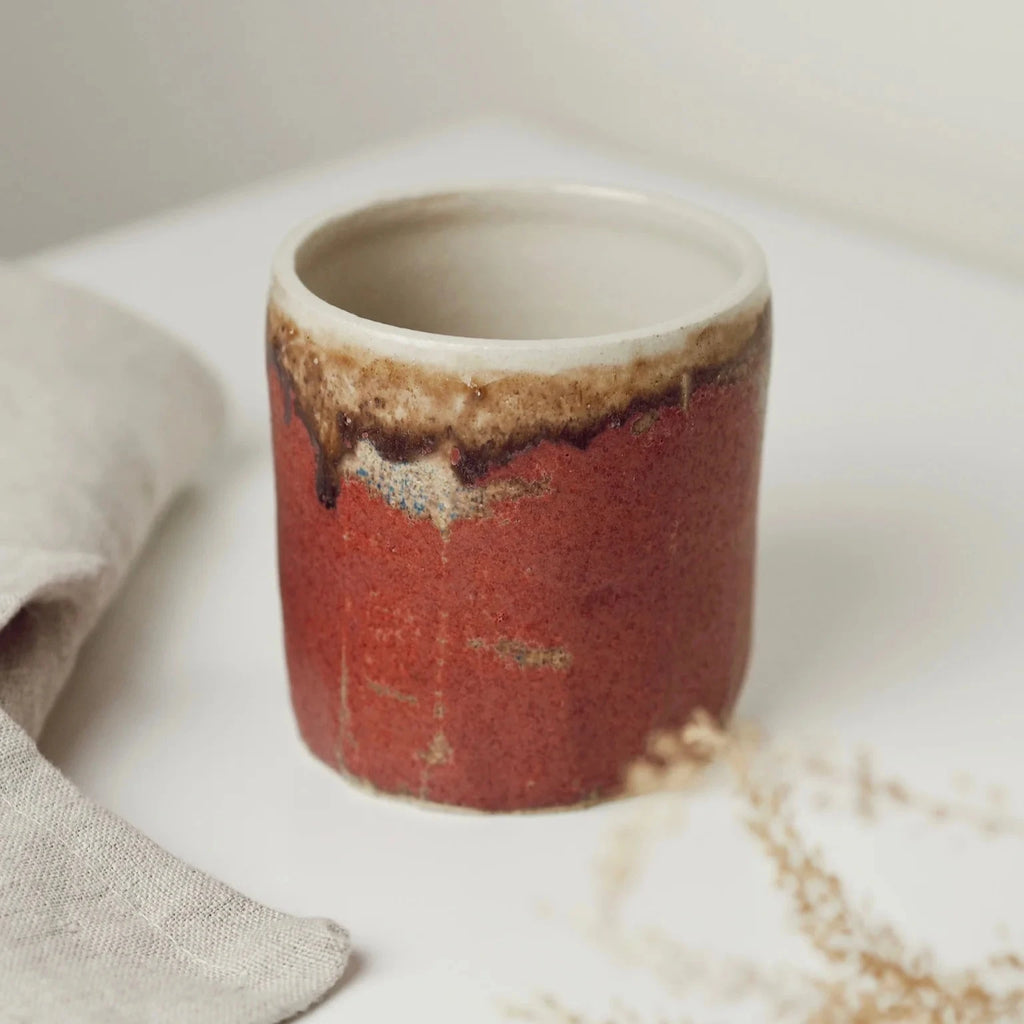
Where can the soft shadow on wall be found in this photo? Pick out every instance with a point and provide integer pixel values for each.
(907, 116)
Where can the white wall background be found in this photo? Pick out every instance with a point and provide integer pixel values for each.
(906, 114)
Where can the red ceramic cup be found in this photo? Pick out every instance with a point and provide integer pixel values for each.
(517, 435)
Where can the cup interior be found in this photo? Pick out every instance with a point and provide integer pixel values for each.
(528, 263)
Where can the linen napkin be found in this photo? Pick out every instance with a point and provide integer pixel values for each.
(103, 419)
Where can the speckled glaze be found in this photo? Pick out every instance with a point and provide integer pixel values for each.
(497, 579)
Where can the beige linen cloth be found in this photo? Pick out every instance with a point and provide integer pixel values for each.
(102, 420)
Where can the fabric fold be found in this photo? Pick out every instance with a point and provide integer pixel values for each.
(103, 420)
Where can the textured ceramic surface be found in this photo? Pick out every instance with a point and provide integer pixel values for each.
(517, 439)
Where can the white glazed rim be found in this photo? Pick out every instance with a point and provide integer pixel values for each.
(334, 326)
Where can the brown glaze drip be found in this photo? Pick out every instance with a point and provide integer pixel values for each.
(408, 411)
(326, 464)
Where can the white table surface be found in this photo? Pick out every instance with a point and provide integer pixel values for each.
(890, 613)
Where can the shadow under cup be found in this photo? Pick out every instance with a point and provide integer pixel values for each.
(517, 438)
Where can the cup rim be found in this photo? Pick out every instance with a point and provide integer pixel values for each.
(335, 325)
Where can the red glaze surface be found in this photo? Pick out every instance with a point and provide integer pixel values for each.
(520, 660)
